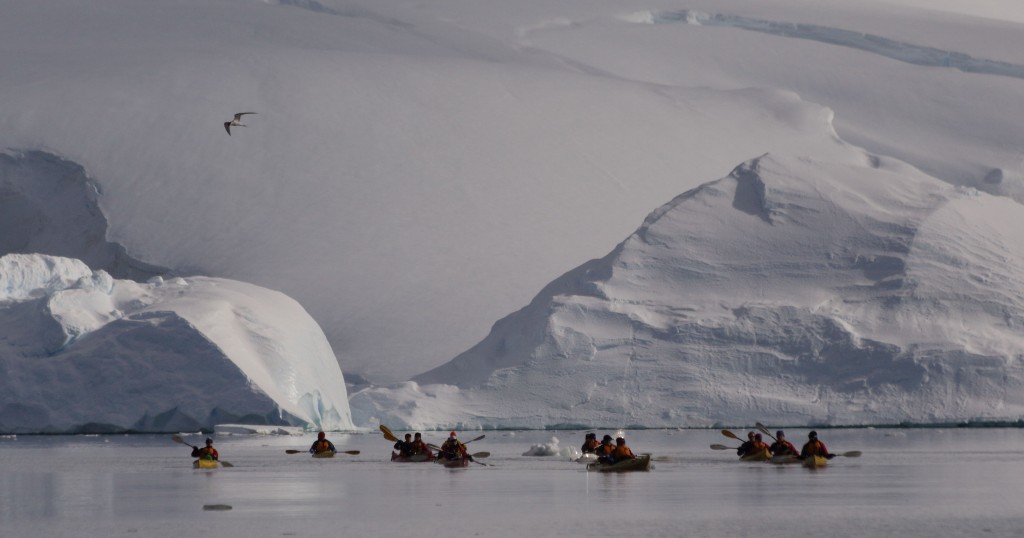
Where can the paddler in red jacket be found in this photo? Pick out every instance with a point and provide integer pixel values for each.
(322, 444)
(207, 452)
(782, 447)
(419, 447)
(814, 447)
(453, 449)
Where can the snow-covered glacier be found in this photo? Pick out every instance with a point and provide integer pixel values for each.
(795, 291)
(81, 351)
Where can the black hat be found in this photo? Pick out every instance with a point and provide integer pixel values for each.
(591, 434)
(780, 433)
(813, 435)
(607, 438)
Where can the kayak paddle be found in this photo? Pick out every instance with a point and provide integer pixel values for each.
(177, 439)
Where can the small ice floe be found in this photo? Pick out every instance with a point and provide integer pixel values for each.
(216, 507)
(552, 449)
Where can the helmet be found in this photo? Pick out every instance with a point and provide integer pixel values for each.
(813, 435)
(209, 441)
(321, 435)
(452, 435)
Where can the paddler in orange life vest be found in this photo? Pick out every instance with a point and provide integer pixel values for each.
(622, 452)
(419, 447)
(590, 444)
(207, 452)
(782, 447)
(322, 445)
(606, 450)
(453, 449)
(814, 447)
(759, 445)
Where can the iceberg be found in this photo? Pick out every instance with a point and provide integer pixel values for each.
(81, 351)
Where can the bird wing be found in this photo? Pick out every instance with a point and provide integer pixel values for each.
(227, 127)
(240, 114)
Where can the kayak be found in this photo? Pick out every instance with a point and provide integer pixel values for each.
(639, 463)
(813, 462)
(205, 464)
(454, 464)
(762, 455)
(415, 458)
(324, 454)
(785, 459)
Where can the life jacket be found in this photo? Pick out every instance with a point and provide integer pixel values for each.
(321, 445)
(453, 449)
(207, 452)
(757, 447)
(814, 448)
(419, 447)
(405, 449)
(783, 448)
(622, 452)
(605, 450)
(590, 446)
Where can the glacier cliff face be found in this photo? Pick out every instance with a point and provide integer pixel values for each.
(81, 351)
(793, 291)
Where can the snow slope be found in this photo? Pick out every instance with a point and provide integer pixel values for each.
(83, 352)
(794, 291)
(451, 157)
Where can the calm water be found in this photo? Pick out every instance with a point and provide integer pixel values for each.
(908, 483)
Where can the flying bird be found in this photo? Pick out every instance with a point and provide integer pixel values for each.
(235, 122)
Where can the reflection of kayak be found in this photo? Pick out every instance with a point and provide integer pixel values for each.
(639, 463)
(814, 462)
(205, 464)
(784, 459)
(415, 458)
(761, 455)
(324, 454)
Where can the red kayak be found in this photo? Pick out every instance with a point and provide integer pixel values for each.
(464, 462)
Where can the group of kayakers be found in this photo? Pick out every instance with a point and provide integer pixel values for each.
(414, 447)
(781, 447)
(605, 451)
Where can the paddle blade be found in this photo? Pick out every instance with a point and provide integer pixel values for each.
(387, 433)
(477, 439)
(226, 464)
(481, 454)
(290, 451)
(851, 454)
(764, 430)
(721, 447)
(435, 448)
(353, 452)
(728, 433)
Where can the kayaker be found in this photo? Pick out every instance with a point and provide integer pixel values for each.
(206, 452)
(747, 446)
(404, 448)
(782, 447)
(419, 447)
(759, 445)
(814, 447)
(590, 444)
(606, 450)
(622, 452)
(453, 449)
(322, 445)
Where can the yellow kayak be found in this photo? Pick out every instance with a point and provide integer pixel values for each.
(325, 454)
(205, 464)
(761, 455)
(813, 462)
